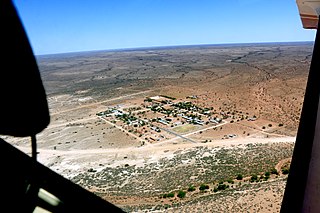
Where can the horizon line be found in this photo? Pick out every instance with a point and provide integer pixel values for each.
(167, 47)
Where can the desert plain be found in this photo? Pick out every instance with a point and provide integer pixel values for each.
(207, 128)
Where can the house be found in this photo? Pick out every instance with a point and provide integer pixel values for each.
(155, 129)
(214, 121)
(198, 121)
(155, 97)
(117, 112)
(163, 121)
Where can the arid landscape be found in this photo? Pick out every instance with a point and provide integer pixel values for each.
(207, 128)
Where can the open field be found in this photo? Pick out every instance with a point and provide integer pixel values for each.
(135, 126)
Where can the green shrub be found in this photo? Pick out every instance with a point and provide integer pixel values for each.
(181, 194)
(285, 171)
(254, 178)
(191, 188)
(230, 181)
(163, 196)
(239, 177)
(222, 186)
(148, 100)
(274, 171)
(203, 187)
(267, 174)
(171, 194)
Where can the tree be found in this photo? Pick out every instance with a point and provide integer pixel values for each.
(181, 194)
(285, 171)
(148, 100)
(222, 186)
(239, 177)
(203, 187)
(167, 195)
(191, 188)
(171, 194)
(254, 178)
(274, 171)
(230, 181)
(267, 174)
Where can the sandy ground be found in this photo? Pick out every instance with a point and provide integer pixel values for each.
(72, 162)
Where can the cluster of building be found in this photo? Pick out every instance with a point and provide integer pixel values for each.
(161, 113)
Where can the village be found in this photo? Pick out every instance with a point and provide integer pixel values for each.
(162, 117)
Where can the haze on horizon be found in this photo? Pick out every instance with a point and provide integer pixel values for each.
(75, 26)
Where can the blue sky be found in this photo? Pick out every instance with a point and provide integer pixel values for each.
(58, 26)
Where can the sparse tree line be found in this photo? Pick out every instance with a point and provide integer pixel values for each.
(223, 185)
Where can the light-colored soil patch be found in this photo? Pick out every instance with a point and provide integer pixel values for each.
(185, 128)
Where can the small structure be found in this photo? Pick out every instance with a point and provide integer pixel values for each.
(156, 129)
(155, 97)
(214, 121)
(163, 121)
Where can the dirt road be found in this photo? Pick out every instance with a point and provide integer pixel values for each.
(160, 147)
